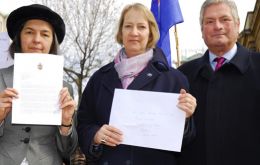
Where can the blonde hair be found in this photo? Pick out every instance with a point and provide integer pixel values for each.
(153, 27)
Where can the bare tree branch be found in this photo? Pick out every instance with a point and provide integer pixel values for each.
(89, 40)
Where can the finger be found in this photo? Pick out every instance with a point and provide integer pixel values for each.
(9, 92)
(5, 104)
(185, 109)
(183, 100)
(71, 104)
(188, 107)
(188, 102)
(64, 94)
(112, 134)
(100, 137)
(182, 94)
(183, 91)
(115, 138)
(6, 100)
(4, 112)
(187, 98)
(113, 129)
(104, 131)
(191, 100)
(111, 140)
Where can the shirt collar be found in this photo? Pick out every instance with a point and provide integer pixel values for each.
(228, 56)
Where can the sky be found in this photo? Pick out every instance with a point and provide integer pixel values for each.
(189, 34)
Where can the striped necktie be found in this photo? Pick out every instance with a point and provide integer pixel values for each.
(220, 61)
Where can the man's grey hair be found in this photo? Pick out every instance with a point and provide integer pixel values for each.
(232, 5)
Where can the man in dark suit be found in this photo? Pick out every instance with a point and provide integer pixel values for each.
(226, 84)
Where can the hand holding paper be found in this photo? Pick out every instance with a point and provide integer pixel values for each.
(38, 79)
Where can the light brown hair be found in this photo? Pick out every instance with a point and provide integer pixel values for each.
(153, 27)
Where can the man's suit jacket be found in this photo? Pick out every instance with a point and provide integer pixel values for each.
(41, 145)
(227, 115)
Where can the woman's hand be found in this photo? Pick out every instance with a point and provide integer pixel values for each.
(187, 103)
(67, 104)
(108, 135)
(6, 99)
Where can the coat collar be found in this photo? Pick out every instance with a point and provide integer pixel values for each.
(111, 79)
(8, 76)
(155, 67)
(240, 61)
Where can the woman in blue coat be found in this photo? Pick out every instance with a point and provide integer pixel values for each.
(137, 66)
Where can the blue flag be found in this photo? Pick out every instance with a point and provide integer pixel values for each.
(167, 13)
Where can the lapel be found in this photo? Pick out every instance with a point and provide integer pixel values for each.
(153, 70)
(145, 77)
(8, 76)
(203, 67)
(111, 80)
(240, 61)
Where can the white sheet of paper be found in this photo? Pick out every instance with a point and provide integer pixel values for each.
(38, 78)
(5, 58)
(148, 119)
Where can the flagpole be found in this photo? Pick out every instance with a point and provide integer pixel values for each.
(167, 14)
(177, 46)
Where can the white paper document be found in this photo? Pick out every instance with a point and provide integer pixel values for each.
(38, 78)
(148, 119)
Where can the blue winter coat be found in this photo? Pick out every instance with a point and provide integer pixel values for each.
(95, 107)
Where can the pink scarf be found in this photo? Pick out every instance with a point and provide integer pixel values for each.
(129, 68)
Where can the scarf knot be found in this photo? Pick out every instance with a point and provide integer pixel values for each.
(129, 68)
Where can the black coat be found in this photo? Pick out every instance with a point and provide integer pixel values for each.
(95, 107)
(227, 116)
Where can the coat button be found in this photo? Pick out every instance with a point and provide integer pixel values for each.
(25, 140)
(27, 129)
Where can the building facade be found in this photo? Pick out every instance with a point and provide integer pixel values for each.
(250, 35)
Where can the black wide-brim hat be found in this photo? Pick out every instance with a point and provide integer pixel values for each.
(36, 11)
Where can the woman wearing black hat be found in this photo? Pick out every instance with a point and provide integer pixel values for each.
(34, 29)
